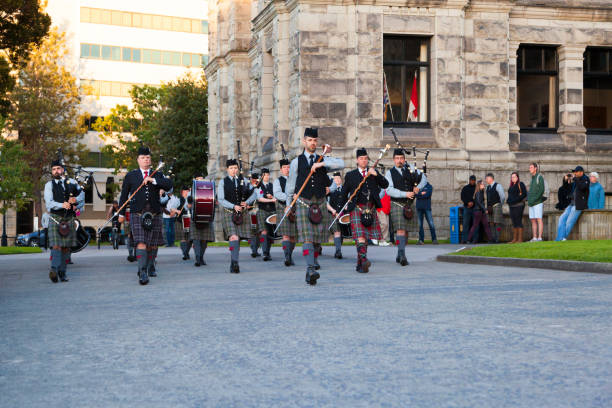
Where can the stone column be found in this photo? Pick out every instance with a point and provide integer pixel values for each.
(571, 128)
(513, 127)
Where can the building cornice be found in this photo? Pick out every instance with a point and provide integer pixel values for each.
(563, 13)
(223, 60)
(273, 9)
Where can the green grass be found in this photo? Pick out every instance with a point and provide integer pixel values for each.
(12, 250)
(588, 251)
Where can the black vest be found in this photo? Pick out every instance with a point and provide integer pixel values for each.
(283, 183)
(317, 183)
(402, 183)
(62, 195)
(233, 194)
(270, 207)
(336, 199)
(492, 195)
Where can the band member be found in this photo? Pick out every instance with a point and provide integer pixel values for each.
(404, 183)
(364, 217)
(335, 202)
(267, 207)
(252, 214)
(62, 196)
(145, 212)
(232, 194)
(130, 240)
(201, 235)
(311, 203)
(288, 229)
(183, 209)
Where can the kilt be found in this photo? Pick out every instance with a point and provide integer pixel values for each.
(149, 238)
(54, 237)
(287, 227)
(307, 231)
(261, 219)
(359, 231)
(229, 228)
(202, 234)
(496, 216)
(178, 230)
(398, 221)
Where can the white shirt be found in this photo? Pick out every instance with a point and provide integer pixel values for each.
(173, 204)
(149, 174)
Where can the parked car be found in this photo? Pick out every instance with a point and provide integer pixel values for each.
(33, 239)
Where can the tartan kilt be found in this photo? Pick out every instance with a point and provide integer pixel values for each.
(336, 227)
(149, 238)
(261, 219)
(398, 221)
(359, 231)
(229, 228)
(307, 231)
(201, 234)
(54, 237)
(497, 216)
(287, 227)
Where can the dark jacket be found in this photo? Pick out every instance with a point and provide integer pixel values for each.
(580, 192)
(479, 201)
(370, 188)
(564, 195)
(467, 194)
(516, 194)
(423, 199)
(148, 194)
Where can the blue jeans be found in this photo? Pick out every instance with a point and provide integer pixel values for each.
(427, 215)
(169, 226)
(468, 220)
(567, 221)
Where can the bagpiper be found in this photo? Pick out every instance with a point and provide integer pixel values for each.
(200, 234)
(62, 197)
(233, 195)
(145, 211)
(363, 206)
(311, 203)
(404, 183)
(183, 209)
(288, 229)
(266, 204)
(335, 203)
(252, 214)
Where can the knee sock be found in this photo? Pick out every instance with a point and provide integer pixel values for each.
(143, 257)
(56, 259)
(203, 245)
(401, 244)
(265, 244)
(197, 249)
(234, 247)
(64, 262)
(253, 242)
(286, 247)
(153, 257)
(184, 248)
(291, 247)
(309, 252)
(338, 243)
(362, 251)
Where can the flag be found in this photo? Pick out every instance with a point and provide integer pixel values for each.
(386, 101)
(413, 108)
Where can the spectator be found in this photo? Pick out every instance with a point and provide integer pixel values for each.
(169, 216)
(480, 212)
(580, 199)
(467, 196)
(597, 196)
(535, 201)
(564, 194)
(517, 194)
(495, 198)
(423, 207)
(383, 218)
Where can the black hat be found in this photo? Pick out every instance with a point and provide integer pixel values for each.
(578, 168)
(255, 175)
(362, 152)
(284, 162)
(337, 174)
(231, 162)
(144, 151)
(185, 188)
(311, 132)
(398, 152)
(264, 171)
(473, 177)
(56, 162)
(490, 175)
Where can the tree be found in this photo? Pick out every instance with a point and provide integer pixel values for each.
(45, 111)
(23, 24)
(14, 185)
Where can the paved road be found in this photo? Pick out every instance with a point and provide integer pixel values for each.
(430, 335)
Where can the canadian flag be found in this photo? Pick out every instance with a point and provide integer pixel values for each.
(413, 108)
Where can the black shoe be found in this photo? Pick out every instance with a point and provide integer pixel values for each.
(197, 263)
(185, 257)
(234, 268)
(70, 262)
(53, 275)
(338, 255)
(365, 266)
(202, 262)
(255, 254)
(143, 278)
(317, 266)
(62, 276)
(152, 271)
(287, 260)
(131, 258)
(397, 259)
(403, 261)
(267, 258)
(291, 260)
(312, 276)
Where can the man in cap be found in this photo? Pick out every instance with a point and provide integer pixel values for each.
(183, 210)
(62, 198)
(145, 212)
(234, 196)
(364, 217)
(288, 229)
(252, 215)
(335, 203)
(311, 202)
(580, 199)
(405, 181)
(267, 207)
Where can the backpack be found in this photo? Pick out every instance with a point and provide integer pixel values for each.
(546, 189)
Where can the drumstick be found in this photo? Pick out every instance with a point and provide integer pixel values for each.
(301, 189)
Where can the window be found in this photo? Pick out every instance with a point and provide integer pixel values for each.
(116, 53)
(204, 27)
(186, 59)
(597, 97)
(166, 58)
(204, 59)
(127, 54)
(85, 50)
(537, 88)
(95, 51)
(406, 69)
(106, 52)
(135, 55)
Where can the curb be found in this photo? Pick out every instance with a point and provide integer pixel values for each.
(571, 266)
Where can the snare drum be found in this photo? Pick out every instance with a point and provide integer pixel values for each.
(127, 215)
(186, 222)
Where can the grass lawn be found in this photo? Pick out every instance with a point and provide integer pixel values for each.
(11, 250)
(589, 251)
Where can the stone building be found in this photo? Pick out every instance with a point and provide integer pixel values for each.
(496, 84)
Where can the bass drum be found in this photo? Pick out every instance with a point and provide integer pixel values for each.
(203, 194)
(82, 238)
(345, 226)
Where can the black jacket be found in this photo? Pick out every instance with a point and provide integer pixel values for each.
(467, 194)
(564, 195)
(516, 194)
(479, 201)
(581, 192)
(369, 192)
(148, 194)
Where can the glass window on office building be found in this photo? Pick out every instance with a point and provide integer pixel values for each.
(597, 97)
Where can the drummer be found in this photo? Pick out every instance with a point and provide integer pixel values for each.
(182, 210)
(254, 236)
(200, 235)
(335, 203)
(62, 197)
(267, 207)
(288, 229)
